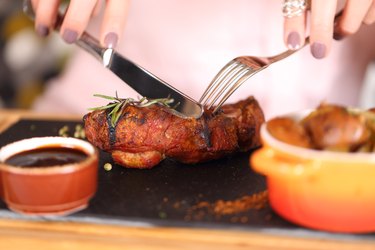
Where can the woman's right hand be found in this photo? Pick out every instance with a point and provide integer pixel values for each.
(77, 17)
(322, 27)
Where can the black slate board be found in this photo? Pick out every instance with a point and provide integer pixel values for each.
(150, 197)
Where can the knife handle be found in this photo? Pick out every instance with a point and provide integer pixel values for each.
(92, 46)
(86, 41)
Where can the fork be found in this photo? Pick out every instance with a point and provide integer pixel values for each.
(234, 74)
(238, 71)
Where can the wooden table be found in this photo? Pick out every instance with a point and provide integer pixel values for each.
(34, 234)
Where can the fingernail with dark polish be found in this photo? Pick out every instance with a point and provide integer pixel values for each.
(110, 40)
(318, 50)
(294, 40)
(42, 30)
(70, 36)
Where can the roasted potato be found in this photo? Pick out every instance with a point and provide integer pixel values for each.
(288, 130)
(328, 127)
(335, 128)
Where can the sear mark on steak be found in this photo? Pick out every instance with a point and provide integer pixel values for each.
(144, 136)
(205, 131)
(111, 129)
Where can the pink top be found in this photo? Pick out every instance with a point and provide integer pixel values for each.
(187, 42)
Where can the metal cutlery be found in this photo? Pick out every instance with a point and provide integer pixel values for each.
(138, 78)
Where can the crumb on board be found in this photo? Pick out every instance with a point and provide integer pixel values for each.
(162, 215)
(79, 131)
(64, 131)
(107, 166)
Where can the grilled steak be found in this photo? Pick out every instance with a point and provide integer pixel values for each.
(144, 136)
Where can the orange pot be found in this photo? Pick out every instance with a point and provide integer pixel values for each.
(322, 190)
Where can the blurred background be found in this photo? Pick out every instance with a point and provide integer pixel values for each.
(27, 61)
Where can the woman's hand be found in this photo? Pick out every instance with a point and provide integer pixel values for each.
(77, 18)
(322, 27)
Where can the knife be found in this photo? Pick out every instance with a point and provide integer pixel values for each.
(142, 81)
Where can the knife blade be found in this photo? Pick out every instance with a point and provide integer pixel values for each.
(142, 81)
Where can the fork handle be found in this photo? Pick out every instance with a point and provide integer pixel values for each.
(287, 53)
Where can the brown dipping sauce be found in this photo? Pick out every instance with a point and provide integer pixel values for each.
(47, 156)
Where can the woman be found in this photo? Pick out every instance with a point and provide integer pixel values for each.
(187, 42)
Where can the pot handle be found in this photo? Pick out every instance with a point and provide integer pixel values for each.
(268, 162)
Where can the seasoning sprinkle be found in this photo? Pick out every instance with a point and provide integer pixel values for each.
(221, 208)
(79, 132)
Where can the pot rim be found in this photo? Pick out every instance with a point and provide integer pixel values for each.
(35, 142)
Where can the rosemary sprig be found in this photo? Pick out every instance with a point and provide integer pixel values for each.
(117, 105)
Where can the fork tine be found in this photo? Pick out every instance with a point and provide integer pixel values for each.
(221, 85)
(241, 70)
(217, 85)
(237, 84)
(224, 71)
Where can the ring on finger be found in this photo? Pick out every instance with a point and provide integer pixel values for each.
(294, 8)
